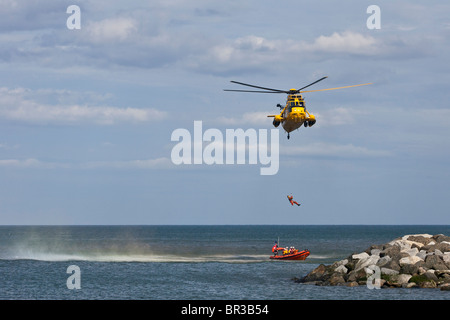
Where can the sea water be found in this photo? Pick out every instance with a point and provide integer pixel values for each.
(188, 262)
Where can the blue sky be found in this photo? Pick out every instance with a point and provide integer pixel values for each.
(86, 116)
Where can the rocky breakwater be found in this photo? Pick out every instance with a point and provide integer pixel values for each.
(419, 260)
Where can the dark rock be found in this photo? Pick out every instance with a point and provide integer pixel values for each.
(390, 251)
(392, 265)
(428, 247)
(443, 247)
(419, 264)
(356, 276)
(409, 269)
(398, 280)
(321, 273)
(444, 274)
(440, 237)
(354, 284)
(443, 278)
(419, 279)
(428, 284)
(336, 279)
(435, 262)
(316, 274)
(350, 265)
(431, 276)
(397, 256)
(445, 287)
(420, 239)
(374, 246)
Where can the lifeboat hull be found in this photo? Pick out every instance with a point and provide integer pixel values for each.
(300, 255)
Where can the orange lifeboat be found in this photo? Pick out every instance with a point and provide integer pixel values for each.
(288, 253)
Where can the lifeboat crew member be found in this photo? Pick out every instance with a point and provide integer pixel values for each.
(275, 248)
(291, 200)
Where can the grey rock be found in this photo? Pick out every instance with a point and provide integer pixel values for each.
(375, 252)
(383, 261)
(340, 263)
(446, 258)
(411, 252)
(341, 269)
(360, 256)
(388, 271)
(422, 254)
(409, 260)
(370, 260)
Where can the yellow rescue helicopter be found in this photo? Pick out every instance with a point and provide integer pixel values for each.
(294, 114)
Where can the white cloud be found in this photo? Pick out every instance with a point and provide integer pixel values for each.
(6, 146)
(331, 150)
(30, 163)
(347, 42)
(248, 118)
(158, 163)
(243, 52)
(253, 52)
(339, 116)
(19, 163)
(112, 29)
(16, 105)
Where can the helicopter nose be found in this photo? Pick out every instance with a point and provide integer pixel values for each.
(297, 115)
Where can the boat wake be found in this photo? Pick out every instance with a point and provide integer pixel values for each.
(139, 254)
(135, 257)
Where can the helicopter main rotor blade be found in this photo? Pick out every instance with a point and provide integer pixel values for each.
(356, 85)
(312, 83)
(253, 86)
(254, 91)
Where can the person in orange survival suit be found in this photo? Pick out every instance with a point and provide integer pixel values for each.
(291, 200)
(275, 248)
